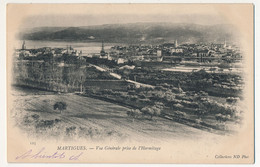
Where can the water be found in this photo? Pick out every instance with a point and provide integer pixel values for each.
(85, 47)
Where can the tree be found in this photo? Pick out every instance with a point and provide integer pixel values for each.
(60, 106)
(202, 109)
(222, 118)
(134, 113)
(200, 113)
(147, 111)
(151, 111)
(212, 69)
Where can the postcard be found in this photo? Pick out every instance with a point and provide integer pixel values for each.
(130, 83)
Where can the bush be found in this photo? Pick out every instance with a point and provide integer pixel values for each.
(134, 113)
(71, 131)
(200, 112)
(178, 105)
(222, 118)
(151, 111)
(60, 106)
(180, 114)
(215, 107)
(232, 99)
(35, 116)
(45, 124)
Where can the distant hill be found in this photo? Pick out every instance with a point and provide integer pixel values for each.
(135, 33)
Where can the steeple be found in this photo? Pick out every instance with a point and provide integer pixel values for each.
(23, 46)
(225, 43)
(176, 44)
(102, 52)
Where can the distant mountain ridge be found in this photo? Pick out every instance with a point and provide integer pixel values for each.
(135, 33)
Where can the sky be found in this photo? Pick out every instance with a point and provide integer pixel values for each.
(49, 15)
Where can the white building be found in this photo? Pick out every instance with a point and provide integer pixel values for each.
(159, 53)
(176, 50)
(121, 61)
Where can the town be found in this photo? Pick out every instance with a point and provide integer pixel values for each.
(194, 84)
(166, 53)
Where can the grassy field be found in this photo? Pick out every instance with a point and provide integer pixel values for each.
(90, 119)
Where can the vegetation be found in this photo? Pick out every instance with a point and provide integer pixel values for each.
(175, 94)
(222, 118)
(151, 111)
(154, 32)
(60, 106)
(134, 113)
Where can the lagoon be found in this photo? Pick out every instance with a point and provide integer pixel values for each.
(85, 47)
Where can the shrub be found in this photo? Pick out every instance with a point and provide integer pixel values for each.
(35, 116)
(134, 113)
(232, 99)
(200, 113)
(178, 105)
(151, 111)
(222, 118)
(71, 131)
(60, 106)
(178, 113)
(45, 124)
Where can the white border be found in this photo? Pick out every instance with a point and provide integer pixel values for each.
(3, 136)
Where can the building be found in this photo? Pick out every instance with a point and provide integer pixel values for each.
(159, 53)
(23, 46)
(202, 54)
(176, 50)
(176, 44)
(121, 61)
(102, 52)
(221, 45)
(168, 45)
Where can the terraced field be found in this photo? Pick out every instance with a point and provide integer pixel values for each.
(90, 119)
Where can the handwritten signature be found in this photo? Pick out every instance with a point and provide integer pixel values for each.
(43, 155)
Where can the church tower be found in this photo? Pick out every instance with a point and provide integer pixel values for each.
(102, 52)
(176, 44)
(23, 46)
(225, 43)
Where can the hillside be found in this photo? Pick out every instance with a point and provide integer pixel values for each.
(134, 33)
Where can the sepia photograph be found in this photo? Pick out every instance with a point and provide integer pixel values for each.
(130, 83)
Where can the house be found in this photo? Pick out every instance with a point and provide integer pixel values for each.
(176, 50)
(121, 61)
(201, 54)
